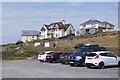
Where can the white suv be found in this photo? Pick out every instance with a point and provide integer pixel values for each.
(101, 59)
(42, 56)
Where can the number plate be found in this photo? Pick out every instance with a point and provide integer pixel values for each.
(89, 58)
(71, 62)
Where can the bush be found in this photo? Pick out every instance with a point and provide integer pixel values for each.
(19, 42)
(21, 55)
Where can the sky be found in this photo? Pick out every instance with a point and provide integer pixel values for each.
(18, 16)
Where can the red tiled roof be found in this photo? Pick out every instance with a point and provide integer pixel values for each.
(60, 24)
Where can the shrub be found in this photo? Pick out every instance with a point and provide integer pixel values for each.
(19, 42)
(21, 55)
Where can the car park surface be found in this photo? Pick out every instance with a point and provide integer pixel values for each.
(35, 69)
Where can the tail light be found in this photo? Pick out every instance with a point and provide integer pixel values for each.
(65, 57)
(97, 56)
(51, 57)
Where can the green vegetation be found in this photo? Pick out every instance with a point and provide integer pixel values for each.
(65, 44)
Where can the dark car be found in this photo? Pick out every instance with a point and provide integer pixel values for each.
(53, 57)
(63, 59)
(78, 56)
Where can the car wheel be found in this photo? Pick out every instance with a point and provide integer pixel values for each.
(62, 63)
(101, 65)
(88, 66)
(76, 65)
(119, 64)
(51, 61)
(83, 64)
(71, 64)
(41, 60)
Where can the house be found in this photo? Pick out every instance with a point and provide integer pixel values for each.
(29, 35)
(56, 30)
(93, 26)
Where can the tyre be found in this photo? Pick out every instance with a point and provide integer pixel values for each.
(83, 64)
(71, 64)
(76, 65)
(119, 64)
(51, 62)
(101, 65)
(88, 66)
(62, 63)
(41, 60)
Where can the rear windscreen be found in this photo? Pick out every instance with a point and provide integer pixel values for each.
(63, 54)
(91, 54)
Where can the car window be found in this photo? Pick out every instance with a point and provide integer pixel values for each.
(107, 54)
(91, 54)
(98, 49)
(111, 55)
(104, 54)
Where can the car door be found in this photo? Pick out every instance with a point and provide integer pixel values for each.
(113, 59)
(105, 58)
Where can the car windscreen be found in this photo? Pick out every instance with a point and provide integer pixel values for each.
(81, 50)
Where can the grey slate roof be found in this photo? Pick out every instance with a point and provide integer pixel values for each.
(30, 33)
(92, 21)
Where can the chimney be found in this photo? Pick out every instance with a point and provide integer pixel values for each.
(63, 21)
(92, 19)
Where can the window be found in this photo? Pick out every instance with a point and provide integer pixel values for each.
(105, 24)
(91, 54)
(108, 55)
(56, 35)
(32, 36)
(84, 25)
(104, 54)
(111, 55)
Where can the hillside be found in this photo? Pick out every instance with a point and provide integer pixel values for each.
(66, 44)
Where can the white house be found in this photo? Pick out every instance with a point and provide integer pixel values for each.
(29, 35)
(56, 30)
(93, 26)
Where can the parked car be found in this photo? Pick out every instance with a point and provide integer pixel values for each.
(78, 56)
(63, 59)
(42, 56)
(53, 57)
(101, 59)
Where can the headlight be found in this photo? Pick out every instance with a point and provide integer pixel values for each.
(78, 57)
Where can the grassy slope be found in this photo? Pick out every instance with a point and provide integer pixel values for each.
(109, 41)
(68, 44)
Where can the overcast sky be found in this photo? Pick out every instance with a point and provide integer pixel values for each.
(18, 16)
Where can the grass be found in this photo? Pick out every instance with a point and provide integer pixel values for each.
(106, 39)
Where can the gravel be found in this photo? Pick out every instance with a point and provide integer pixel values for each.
(35, 69)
